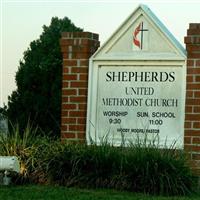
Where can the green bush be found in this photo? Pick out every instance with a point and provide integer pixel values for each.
(27, 146)
(139, 168)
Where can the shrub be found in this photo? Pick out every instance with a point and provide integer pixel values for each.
(141, 169)
(26, 146)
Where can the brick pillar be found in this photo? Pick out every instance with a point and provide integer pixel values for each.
(76, 47)
(192, 113)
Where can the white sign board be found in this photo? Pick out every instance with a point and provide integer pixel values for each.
(139, 101)
(137, 83)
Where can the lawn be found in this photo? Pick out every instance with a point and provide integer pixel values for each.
(31, 192)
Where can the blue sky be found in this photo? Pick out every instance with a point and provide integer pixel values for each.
(21, 22)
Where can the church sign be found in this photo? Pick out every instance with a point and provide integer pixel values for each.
(137, 84)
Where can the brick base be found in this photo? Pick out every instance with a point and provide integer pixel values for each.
(76, 48)
(192, 114)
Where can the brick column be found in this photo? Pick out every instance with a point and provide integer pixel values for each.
(192, 113)
(76, 47)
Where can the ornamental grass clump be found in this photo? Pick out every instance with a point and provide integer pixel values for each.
(141, 167)
(157, 171)
(28, 148)
(137, 168)
(20, 145)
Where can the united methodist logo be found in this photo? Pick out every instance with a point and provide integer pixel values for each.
(140, 39)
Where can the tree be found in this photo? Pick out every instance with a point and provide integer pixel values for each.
(37, 98)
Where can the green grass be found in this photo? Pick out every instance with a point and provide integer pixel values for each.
(35, 192)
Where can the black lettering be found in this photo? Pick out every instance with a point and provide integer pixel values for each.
(138, 76)
(163, 76)
(172, 76)
(154, 77)
(131, 75)
(108, 75)
(147, 76)
(124, 76)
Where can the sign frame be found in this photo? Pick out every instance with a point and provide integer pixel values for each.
(162, 50)
(92, 120)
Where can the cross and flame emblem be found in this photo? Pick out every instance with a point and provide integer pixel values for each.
(139, 41)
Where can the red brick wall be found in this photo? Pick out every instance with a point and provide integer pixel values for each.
(192, 114)
(76, 49)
